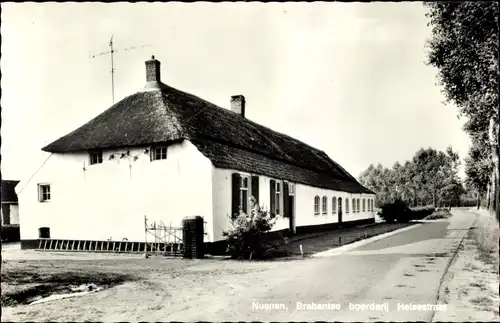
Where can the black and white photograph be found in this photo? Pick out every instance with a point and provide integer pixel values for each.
(250, 161)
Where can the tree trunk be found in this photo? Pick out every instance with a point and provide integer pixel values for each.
(478, 200)
(493, 197)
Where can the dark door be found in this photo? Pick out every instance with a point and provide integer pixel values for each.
(289, 203)
(5, 214)
(339, 203)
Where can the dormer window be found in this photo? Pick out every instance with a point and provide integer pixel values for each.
(95, 157)
(158, 153)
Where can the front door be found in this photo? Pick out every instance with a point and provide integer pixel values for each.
(339, 203)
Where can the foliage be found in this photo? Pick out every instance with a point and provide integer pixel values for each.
(478, 164)
(245, 238)
(439, 214)
(464, 49)
(397, 210)
(429, 177)
(421, 212)
(468, 202)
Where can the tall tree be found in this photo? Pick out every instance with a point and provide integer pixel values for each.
(464, 48)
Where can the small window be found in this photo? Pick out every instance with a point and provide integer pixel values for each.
(353, 205)
(95, 157)
(346, 205)
(316, 204)
(158, 153)
(278, 195)
(324, 206)
(334, 205)
(364, 205)
(244, 196)
(291, 189)
(358, 205)
(43, 192)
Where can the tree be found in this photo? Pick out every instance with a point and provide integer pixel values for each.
(478, 166)
(464, 48)
(430, 177)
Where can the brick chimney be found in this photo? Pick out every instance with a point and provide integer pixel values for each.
(153, 70)
(238, 104)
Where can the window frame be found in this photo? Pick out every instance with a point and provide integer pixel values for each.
(99, 157)
(354, 205)
(346, 205)
(358, 205)
(278, 193)
(334, 205)
(41, 193)
(154, 149)
(243, 179)
(364, 205)
(324, 205)
(317, 202)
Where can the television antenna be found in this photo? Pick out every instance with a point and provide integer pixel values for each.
(111, 52)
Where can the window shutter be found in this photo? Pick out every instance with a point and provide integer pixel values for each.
(286, 206)
(255, 188)
(235, 201)
(272, 189)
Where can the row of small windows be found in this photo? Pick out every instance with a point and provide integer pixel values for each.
(156, 153)
(367, 205)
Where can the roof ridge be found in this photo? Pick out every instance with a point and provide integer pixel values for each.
(227, 111)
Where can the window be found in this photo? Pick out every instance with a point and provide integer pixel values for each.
(353, 205)
(43, 192)
(158, 153)
(346, 205)
(316, 204)
(364, 205)
(324, 205)
(95, 157)
(277, 198)
(291, 189)
(358, 204)
(244, 196)
(334, 205)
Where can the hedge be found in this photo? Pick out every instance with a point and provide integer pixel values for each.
(400, 212)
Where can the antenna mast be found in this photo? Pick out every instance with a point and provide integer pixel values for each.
(111, 53)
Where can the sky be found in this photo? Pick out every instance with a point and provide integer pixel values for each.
(347, 78)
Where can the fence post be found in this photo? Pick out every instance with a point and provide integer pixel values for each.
(192, 237)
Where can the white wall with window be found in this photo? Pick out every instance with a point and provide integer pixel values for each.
(80, 200)
(270, 193)
(309, 206)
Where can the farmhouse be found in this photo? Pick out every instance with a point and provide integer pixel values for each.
(167, 154)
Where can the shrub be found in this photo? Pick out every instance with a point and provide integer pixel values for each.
(395, 211)
(10, 233)
(245, 238)
(421, 212)
(468, 202)
(442, 213)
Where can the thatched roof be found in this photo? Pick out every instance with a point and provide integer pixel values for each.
(8, 193)
(164, 114)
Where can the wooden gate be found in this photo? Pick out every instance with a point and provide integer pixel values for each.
(163, 240)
